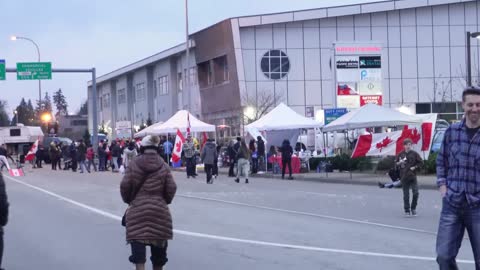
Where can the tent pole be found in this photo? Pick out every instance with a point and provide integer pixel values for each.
(168, 156)
(349, 163)
(265, 154)
(325, 145)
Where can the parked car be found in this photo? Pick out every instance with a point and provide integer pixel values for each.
(48, 140)
(440, 128)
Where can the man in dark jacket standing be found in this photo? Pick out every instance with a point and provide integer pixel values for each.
(409, 162)
(261, 153)
(82, 156)
(102, 156)
(287, 152)
(115, 148)
(74, 155)
(209, 155)
(3, 214)
(232, 153)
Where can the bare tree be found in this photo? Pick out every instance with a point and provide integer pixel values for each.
(260, 105)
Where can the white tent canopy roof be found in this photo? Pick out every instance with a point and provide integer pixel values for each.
(180, 121)
(371, 115)
(283, 118)
(147, 131)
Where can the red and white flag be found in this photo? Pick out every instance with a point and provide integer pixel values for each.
(188, 124)
(177, 148)
(33, 150)
(204, 139)
(391, 143)
(16, 172)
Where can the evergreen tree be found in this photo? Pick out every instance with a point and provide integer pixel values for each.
(47, 103)
(60, 103)
(83, 109)
(21, 113)
(30, 114)
(4, 118)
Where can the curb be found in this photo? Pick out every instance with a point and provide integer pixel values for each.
(317, 180)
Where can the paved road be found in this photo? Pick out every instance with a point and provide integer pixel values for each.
(65, 220)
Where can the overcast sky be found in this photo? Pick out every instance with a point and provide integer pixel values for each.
(108, 34)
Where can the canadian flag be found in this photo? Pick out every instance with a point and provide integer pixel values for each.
(16, 172)
(391, 143)
(177, 148)
(33, 150)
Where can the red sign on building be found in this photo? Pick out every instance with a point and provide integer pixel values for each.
(364, 100)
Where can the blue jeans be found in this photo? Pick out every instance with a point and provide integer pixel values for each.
(453, 222)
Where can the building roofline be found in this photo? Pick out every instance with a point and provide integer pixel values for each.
(337, 11)
(141, 63)
(288, 16)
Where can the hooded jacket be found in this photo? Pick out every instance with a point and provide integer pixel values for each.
(148, 216)
(129, 154)
(209, 153)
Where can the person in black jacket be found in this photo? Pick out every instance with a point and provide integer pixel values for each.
(40, 155)
(115, 149)
(3, 214)
(232, 154)
(261, 153)
(102, 156)
(287, 152)
(73, 154)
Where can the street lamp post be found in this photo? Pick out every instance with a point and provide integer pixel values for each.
(14, 38)
(469, 60)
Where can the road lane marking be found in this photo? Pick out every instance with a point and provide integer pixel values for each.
(238, 240)
(309, 214)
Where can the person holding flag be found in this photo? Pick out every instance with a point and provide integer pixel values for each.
(177, 148)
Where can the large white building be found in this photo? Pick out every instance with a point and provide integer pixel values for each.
(407, 54)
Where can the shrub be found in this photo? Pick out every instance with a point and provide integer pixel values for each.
(386, 163)
(431, 163)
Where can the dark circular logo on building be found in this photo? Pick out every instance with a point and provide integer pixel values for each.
(275, 64)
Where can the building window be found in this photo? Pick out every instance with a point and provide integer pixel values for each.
(221, 69)
(205, 74)
(121, 96)
(106, 101)
(162, 85)
(140, 91)
(79, 123)
(275, 64)
(449, 111)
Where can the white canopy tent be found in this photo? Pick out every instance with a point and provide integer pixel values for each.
(282, 123)
(371, 115)
(283, 118)
(180, 121)
(147, 131)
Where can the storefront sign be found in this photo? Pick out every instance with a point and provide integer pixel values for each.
(370, 62)
(364, 100)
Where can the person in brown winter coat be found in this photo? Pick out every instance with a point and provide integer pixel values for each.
(148, 188)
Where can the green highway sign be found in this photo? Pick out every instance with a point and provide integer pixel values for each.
(2, 70)
(34, 71)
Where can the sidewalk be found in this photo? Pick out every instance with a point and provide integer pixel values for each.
(357, 178)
